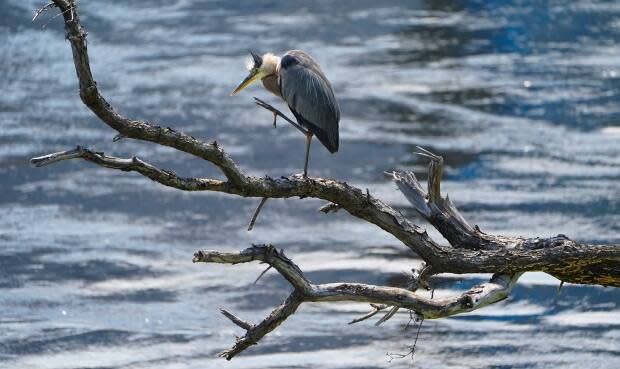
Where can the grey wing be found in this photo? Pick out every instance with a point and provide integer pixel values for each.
(310, 97)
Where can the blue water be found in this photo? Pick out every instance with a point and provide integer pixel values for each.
(521, 99)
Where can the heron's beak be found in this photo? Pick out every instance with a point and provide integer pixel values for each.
(254, 75)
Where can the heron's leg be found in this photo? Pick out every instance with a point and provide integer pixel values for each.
(276, 112)
(308, 142)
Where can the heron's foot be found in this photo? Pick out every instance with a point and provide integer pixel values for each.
(300, 175)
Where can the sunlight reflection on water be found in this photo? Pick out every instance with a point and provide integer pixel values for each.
(95, 266)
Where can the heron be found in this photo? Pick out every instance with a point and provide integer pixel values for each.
(298, 79)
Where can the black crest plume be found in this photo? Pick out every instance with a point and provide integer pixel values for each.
(258, 60)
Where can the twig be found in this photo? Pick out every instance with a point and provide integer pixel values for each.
(256, 212)
(58, 15)
(427, 153)
(387, 316)
(238, 321)
(42, 9)
(417, 336)
(375, 309)
(418, 279)
(48, 159)
(392, 356)
(262, 274)
(435, 172)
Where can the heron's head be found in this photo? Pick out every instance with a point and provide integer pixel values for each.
(260, 67)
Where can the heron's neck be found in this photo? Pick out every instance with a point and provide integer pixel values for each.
(271, 84)
(270, 67)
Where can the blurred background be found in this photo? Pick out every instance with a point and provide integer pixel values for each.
(521, 98)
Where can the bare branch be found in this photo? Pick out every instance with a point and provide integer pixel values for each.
(497, 289)
(435, 172)
(48, 159)
(136, 129)
(134, 164)
(267, 254)
(238, 183)
(347, 197)
(254, 334)
(270, 255)
(238, 321)
(558, 256)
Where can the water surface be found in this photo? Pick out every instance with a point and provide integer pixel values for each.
(95, 265)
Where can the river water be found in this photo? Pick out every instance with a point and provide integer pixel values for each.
(521, 99)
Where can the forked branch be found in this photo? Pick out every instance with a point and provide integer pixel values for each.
(497, 289)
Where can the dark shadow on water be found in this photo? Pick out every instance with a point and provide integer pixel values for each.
(21, 267)
(143, 296)
(59, 340)
(312, 343)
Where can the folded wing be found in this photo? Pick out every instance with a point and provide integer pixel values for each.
(310, 97)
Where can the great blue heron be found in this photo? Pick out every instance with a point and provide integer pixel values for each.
(298, 80)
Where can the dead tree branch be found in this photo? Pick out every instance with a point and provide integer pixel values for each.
(559, 256)
(497, 289)
(469, 251)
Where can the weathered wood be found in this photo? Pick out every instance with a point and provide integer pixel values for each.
(497, 289)
(253, 335)
(559, 256)
(472, 251)
(238, 321)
